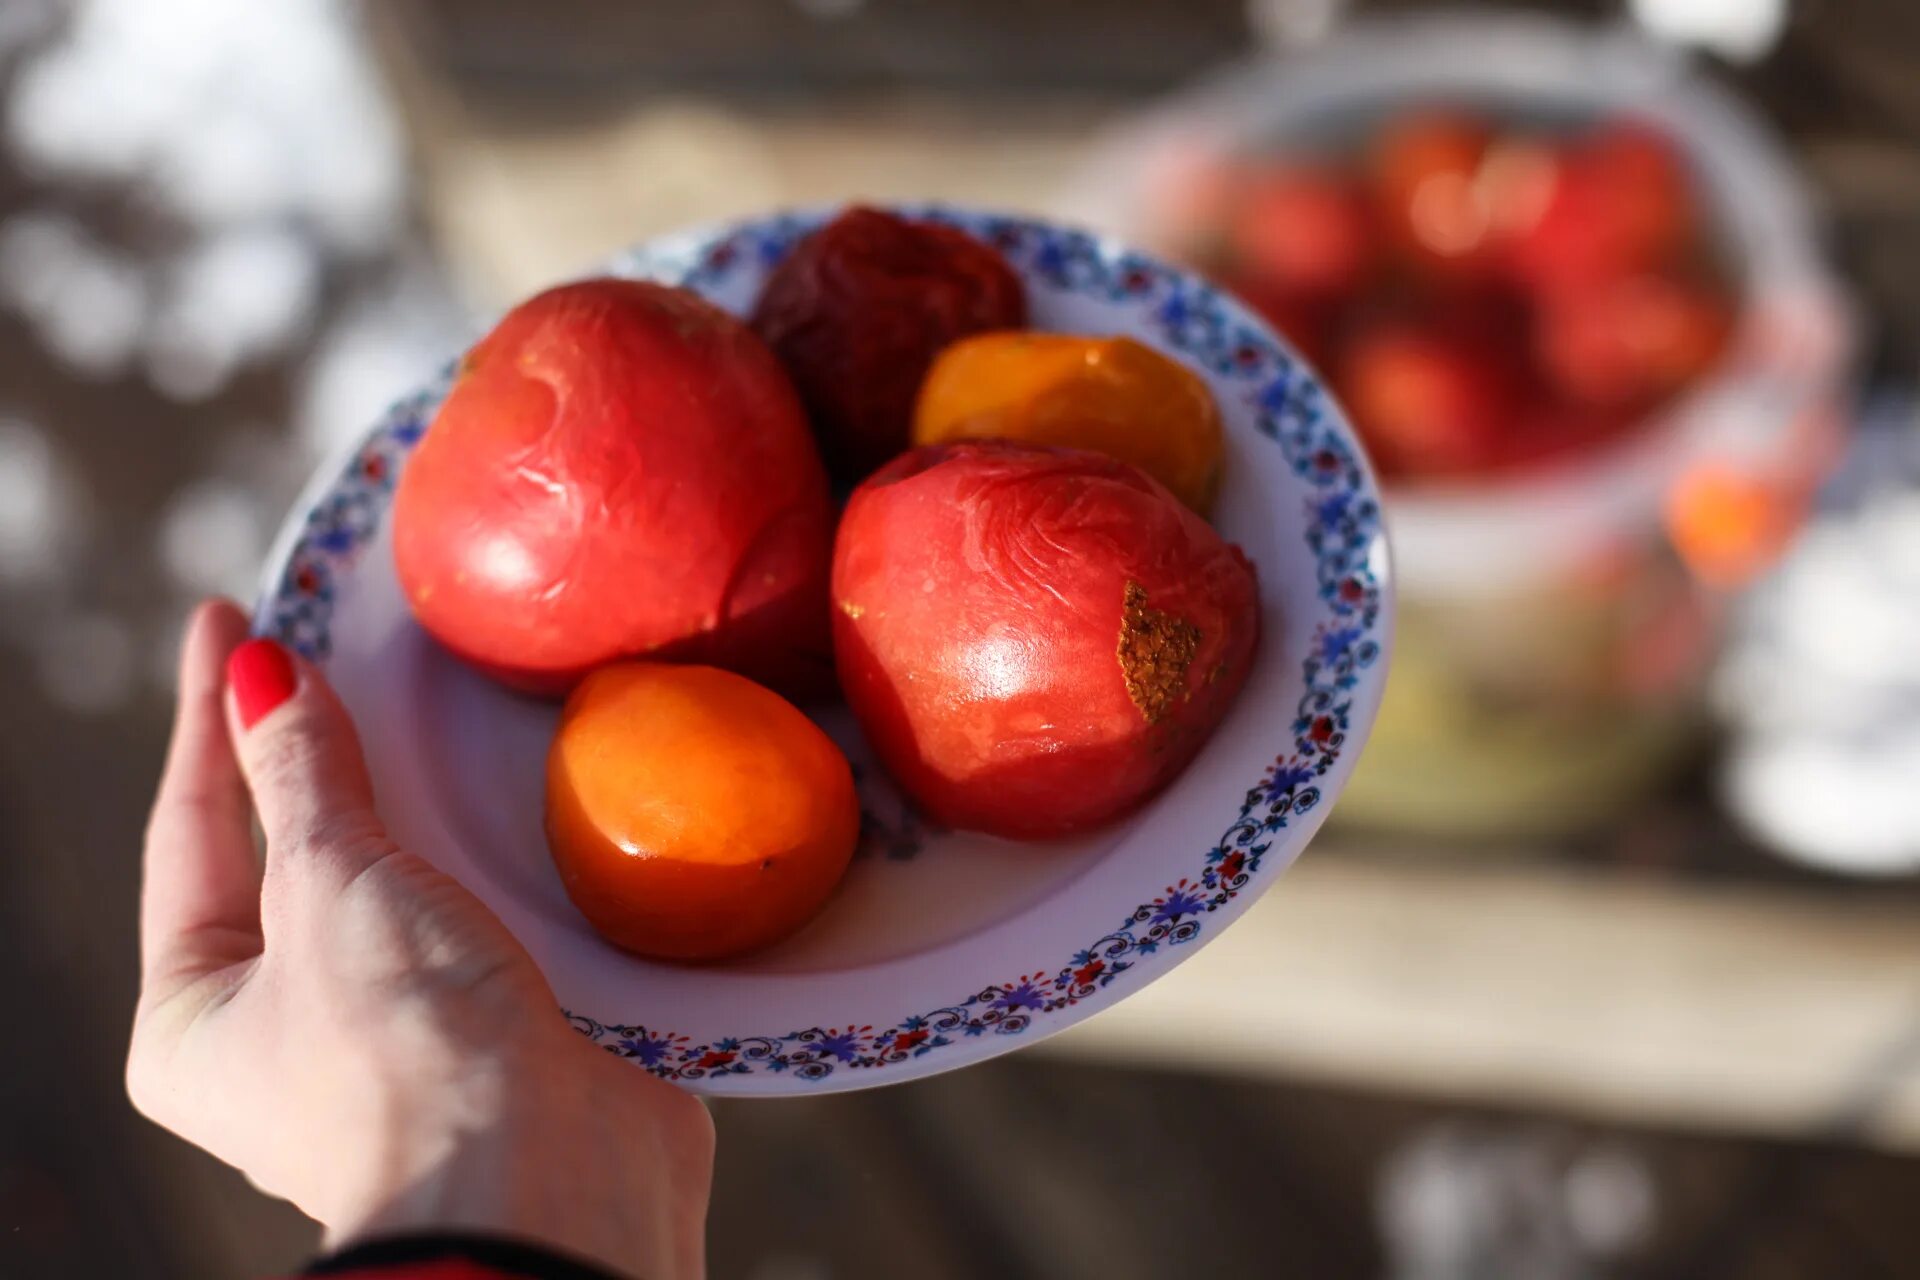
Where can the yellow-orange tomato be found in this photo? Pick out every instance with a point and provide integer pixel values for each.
(1110, 395)
(693, 814)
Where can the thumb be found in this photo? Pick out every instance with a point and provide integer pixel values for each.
(301, 758)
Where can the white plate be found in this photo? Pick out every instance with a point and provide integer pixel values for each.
(940, 949)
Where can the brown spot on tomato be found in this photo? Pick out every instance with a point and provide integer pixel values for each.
(1155, 650)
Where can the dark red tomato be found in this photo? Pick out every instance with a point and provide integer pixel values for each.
(621, 469)
(1427, 400)
(1305, 320)
(859, 309)
(1035, 640)
(1544, 431)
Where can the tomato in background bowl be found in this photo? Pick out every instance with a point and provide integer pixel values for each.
(1589, 238)
(1540, 571)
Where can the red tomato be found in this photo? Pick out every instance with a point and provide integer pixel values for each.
(1621, 202)
(1631, 341)
(1035, 640)
(1426, 172)
(1518, 179)
(1650, 190)
(621, 469)
(1302, 231)
(1427, 401)
(859, 309)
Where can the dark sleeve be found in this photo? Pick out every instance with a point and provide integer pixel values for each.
(453, 1257)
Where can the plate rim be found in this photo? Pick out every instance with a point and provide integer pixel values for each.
(1015, 1012)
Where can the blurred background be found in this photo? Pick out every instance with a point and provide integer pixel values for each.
(1609, 964)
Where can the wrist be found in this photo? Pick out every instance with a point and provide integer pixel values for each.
(567, 1147)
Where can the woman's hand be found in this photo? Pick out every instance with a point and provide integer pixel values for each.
(354, 1030)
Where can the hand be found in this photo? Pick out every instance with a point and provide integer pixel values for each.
(354, 1030)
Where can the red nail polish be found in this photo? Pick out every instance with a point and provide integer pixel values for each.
(261, 675)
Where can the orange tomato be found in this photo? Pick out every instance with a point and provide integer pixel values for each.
(693, 814)
(1110, 395)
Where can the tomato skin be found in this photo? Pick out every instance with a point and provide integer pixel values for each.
(1035, 640)
(645, 822)
(620, 469)
(858, 311)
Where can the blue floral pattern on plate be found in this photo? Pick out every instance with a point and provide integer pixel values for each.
(1189, 317)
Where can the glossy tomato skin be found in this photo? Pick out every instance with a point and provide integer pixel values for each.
(644, 816)
(621, 469)
(1035, 640)
(859, 309)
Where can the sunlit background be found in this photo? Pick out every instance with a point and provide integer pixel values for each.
(1610, 963)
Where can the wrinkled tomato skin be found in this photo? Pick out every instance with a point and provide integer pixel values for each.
(998, 611)
(858, 311)
(621, 469)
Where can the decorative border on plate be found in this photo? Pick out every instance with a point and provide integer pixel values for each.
(1192, 318)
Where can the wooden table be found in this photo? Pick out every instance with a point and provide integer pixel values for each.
(1751, 1008)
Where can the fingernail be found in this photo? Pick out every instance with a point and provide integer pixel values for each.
(261, 675)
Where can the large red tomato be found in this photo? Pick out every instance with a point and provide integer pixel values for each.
(1035, 640)
(621, 469)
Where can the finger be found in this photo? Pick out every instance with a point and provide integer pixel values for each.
(302, 762)
(200, 899)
